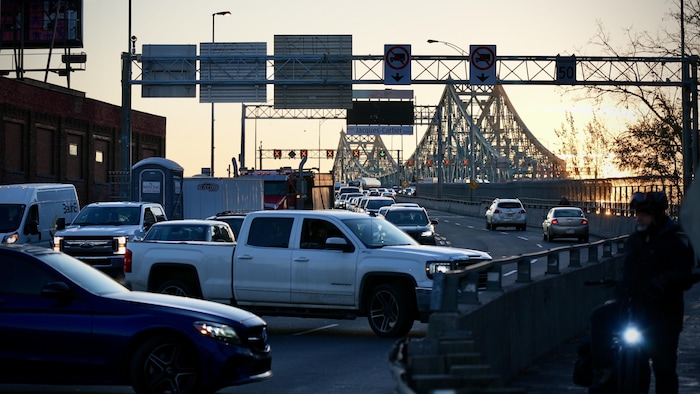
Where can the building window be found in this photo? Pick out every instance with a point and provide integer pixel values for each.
(98, 156)
(73, 149)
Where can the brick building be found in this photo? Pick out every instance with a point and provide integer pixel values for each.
(52, 134)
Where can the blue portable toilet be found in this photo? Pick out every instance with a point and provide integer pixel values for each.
(157, 179)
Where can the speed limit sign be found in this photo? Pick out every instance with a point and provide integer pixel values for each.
(566, 69)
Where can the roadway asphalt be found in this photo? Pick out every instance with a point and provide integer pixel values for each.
(552, 373)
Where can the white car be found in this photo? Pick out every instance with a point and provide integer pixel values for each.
(506, 212)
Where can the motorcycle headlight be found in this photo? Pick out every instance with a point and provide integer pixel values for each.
(221, 332)
(632, 335)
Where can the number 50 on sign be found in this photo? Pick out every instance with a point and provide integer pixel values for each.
(566, 69)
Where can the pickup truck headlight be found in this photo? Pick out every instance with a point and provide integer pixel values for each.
(433, 267)
(57, 243)
(218, 331)
(120, 246)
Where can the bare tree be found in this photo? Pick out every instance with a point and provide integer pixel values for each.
(651, 146)
(595, 140)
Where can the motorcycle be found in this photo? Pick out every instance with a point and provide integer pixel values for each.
(631, 373)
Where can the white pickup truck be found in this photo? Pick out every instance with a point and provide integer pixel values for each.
(334, 264)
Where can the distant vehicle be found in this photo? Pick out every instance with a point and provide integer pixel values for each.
(349, 189)
(367, 183)
(374, 203)
(233, 219)
(565, 222)
(415, 222)
(199, 230)
(29, 211)
(410, 190)
(66, 323)
(506, 212)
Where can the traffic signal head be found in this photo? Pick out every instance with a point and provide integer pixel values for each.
(356, 153)
(304, 153)
(382, 153)
(277, 153)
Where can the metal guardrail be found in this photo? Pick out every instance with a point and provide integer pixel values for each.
(456, 287)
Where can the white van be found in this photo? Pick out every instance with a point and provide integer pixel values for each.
(28, 212)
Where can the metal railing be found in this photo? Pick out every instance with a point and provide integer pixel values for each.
(460, 287)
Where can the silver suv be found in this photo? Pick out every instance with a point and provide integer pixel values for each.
(506, 212)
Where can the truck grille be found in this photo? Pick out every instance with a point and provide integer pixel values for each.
(89, 246)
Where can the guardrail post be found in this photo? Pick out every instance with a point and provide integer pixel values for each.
(444, 295)
(575, 258)
(553, 263)
(468, 288)
(593, 254)
(607, 249)
(621, 245)
(524, 270)
(494, 278)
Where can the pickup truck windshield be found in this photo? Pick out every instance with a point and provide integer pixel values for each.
(377, 233)
(113, 216)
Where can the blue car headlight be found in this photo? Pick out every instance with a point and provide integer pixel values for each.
(218, 331)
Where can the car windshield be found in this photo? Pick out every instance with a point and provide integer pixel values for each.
(375, 204)
(103, 215)
(10, 217)
(407, 218)
(377, 233)
(85, 276)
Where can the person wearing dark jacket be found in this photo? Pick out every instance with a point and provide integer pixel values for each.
(657, 269)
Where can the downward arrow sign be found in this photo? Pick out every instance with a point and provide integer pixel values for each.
(483, 77)
(397, 77)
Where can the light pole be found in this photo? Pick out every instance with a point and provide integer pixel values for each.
(213, 21)
(472, 174)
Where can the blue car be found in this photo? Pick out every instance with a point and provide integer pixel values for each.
(64, 322)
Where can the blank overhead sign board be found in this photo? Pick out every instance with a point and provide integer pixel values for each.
(322, 61)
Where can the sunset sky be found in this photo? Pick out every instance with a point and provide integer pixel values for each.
(516, 27)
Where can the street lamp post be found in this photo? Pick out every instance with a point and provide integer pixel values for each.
(472, 174)
(213, 21)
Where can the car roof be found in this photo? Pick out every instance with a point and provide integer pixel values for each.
(338, 213)
(188, 222)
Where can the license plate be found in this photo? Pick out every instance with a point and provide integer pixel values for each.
(569, 231)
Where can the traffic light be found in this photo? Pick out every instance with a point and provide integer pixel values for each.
(382, 153)
(292, 154)
(304, 153)
(329, 153)
(410, 162)
(465, 161)
(428, 162)
(277, 153)
(356, 153)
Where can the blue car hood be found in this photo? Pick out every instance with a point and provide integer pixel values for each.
(188, 304)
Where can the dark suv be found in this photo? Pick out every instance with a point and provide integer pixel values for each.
(415, 222)
(233, 219)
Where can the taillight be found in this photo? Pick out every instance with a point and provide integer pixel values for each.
(127, 261)
(522, 211)
(584, 221)
(497, 211)
(555, 221)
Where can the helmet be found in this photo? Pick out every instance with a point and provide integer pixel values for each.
(653, 203)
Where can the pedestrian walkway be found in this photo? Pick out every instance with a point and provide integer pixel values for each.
(552, 373)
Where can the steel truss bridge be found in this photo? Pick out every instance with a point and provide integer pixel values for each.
(474, 133)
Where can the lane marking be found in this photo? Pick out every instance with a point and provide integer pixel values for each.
(523, 238)
(316, 329)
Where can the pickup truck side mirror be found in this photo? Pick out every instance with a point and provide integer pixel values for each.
(60, 223)
(338, 243)
(433, 221)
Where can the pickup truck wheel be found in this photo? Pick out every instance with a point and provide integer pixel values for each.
(390, 311)
(176, 287)
(165, 365)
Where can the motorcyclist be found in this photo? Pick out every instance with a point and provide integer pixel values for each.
(656, 270)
